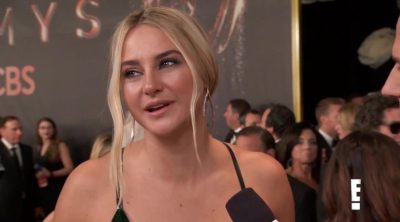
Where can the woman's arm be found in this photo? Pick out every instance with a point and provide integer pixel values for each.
(78, 195)
(66, 160)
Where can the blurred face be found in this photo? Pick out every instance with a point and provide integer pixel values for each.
(331, 119)
(305, 152)
(264, 118)
(390, 116)
(392, 84)
(12, 131)
(230, 117)
(341, 131)
(45, 130)
(340, 128)
(250, 142)
(252, 119)
(157, 82)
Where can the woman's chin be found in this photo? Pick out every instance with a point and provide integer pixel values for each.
(171, 129)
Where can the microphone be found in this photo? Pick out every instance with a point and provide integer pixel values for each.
(247, 206)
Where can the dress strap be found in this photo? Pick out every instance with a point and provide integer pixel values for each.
(237, 168)
(119, 206)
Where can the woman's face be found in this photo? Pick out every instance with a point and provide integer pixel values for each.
(341, 131)
(305, 151)
(45, 130)
(156, 80)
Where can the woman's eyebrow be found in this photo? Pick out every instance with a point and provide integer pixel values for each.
(166, 53)
(157, 57)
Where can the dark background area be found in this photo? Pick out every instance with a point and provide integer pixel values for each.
(331, 33)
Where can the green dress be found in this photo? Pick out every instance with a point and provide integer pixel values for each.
(120, 216)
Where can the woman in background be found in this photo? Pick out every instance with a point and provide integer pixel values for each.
(52, 162)
(346, 117)
(374, 159)
(101, 147)
(302, 159)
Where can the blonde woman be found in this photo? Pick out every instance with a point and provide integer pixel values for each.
(163, 73)
(101, 146)
(346, 118)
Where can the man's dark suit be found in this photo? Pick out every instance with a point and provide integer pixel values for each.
(18, 188)
(229, 136)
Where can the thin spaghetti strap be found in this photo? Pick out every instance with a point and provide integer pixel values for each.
(117, 194)
(237, 168)
(120, 215)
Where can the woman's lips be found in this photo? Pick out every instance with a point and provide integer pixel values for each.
(158, 109)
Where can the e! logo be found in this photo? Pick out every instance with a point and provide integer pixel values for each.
(355, 189)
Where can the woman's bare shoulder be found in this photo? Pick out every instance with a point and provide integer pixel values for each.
(89, 173)
(83, 188)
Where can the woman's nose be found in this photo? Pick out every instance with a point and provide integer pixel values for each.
(152, 84)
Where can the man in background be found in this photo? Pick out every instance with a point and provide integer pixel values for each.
(250, 118)
(380, 113)
(235, 108)
(256, 139)
(326, 113)
(278, 120)
(392, 84)
(18, 187)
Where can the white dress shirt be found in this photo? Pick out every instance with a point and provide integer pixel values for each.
(18, 150)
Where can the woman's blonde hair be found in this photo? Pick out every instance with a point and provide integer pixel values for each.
(101, 146)
(191, 41)
(347, 116)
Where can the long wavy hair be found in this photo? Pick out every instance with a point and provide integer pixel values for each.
(191, 41)
(374, 158)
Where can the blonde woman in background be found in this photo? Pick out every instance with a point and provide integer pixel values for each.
(164, 74)
(101, 146)
(346, 117)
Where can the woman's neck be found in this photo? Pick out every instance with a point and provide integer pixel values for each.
(46, 142)
(303, 172)
(174, 157)
(300, 170)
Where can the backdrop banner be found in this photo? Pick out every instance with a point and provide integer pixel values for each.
(54, 59)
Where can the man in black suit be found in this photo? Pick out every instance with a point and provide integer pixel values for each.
(235, 108)
(18, 187)
(278, 120)
(326, 113)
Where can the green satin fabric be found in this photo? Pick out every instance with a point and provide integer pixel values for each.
(120, 216)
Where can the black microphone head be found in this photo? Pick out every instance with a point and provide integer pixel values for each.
(247, 206)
